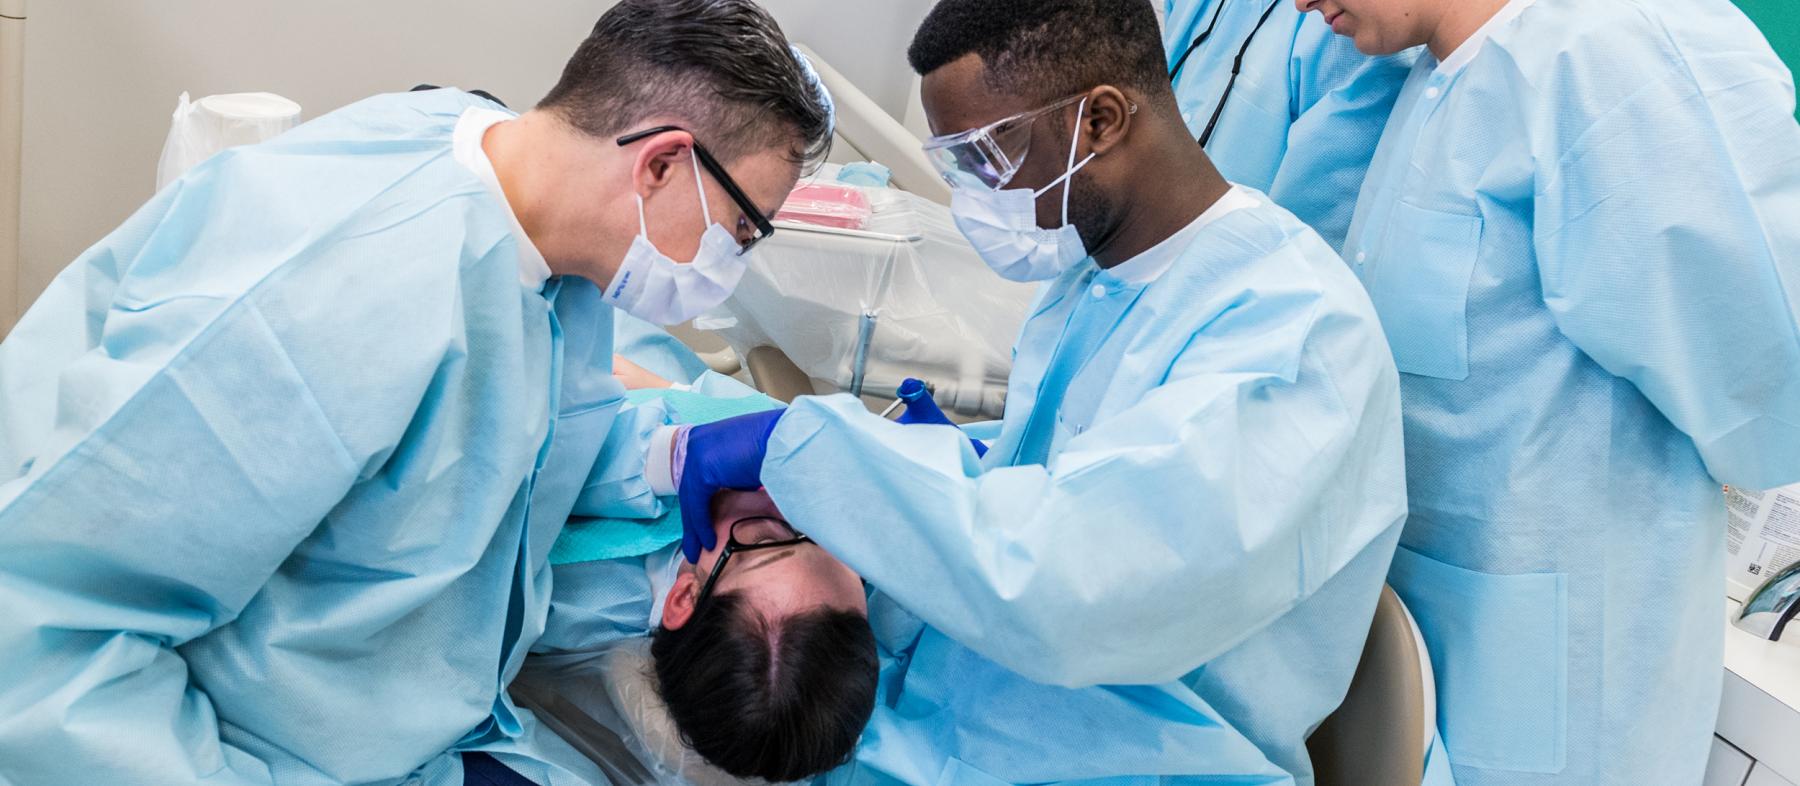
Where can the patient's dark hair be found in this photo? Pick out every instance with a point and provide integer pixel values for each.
(1048, 49)
(722, 65)
(779, 700)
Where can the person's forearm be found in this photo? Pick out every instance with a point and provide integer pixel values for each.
(1031, 566)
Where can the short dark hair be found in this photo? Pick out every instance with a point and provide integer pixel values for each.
(1047, 49)
(722, 65)
(779, 700)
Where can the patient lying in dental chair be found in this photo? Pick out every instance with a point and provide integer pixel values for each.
(757, 663)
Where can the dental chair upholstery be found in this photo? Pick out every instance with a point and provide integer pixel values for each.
(1380, 734)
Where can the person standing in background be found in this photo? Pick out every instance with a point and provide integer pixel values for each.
(1280, 104)
(1582, 231)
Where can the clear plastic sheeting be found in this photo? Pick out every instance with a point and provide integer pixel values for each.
(606, 706)
(200, 129)
(863, 310)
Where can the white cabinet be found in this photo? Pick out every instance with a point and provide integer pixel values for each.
(1759, 712)
(1763, 776)
(1728, 765)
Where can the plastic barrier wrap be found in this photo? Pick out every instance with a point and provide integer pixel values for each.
(927, 305)
(605, 705)
(200, 129)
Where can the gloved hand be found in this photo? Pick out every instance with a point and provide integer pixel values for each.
(726, 454)
(921, 408)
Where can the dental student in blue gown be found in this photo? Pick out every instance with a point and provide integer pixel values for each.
(282, 458)
(1580, 232)
(1166, 564)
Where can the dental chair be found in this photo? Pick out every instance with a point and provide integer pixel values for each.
(605, 706)
(1382, 732)
(773, 373)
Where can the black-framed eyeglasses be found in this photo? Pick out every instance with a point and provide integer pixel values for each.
(751, 534)
(759, 222)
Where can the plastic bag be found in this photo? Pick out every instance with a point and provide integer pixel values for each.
(200, 129)
(827, 205)
(865, 173)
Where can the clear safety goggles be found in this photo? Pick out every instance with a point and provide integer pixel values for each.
(990, 155)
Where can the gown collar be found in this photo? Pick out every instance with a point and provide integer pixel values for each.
(465, 144)
(1460, 58)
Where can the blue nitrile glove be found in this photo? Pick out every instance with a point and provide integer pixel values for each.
(921, 408)
(726, 454)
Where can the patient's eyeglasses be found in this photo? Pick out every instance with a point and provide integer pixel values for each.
(751, 534)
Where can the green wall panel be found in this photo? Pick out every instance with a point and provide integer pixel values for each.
(1780, 21)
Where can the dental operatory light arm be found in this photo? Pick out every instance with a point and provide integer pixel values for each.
(878, 136)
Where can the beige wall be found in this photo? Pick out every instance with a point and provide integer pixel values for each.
(102, 77)
(12, 88)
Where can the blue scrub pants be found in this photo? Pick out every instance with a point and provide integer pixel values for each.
(480, 769)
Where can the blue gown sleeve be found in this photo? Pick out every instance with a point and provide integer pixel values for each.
(1154, 542)
(598, 604)
(145, 530)
(1341, 100)
(617, 488)
(1669, 251)
(152, 529)
(195, 445)
(597, 408)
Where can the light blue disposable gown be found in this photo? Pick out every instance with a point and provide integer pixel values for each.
(1182, 585)
(281, 462)
(1307, 109)
(658, 352)
(1585, 248)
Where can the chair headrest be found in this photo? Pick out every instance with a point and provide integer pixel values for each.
(630, 675)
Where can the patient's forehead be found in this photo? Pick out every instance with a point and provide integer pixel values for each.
(794, 580)
(782, 581)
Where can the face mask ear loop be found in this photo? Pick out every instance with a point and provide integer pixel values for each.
(699, 184)
(1074, 144)
(643, 226)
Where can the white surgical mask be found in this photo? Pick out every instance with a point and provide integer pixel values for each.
(1002, 224)
(655, 288)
